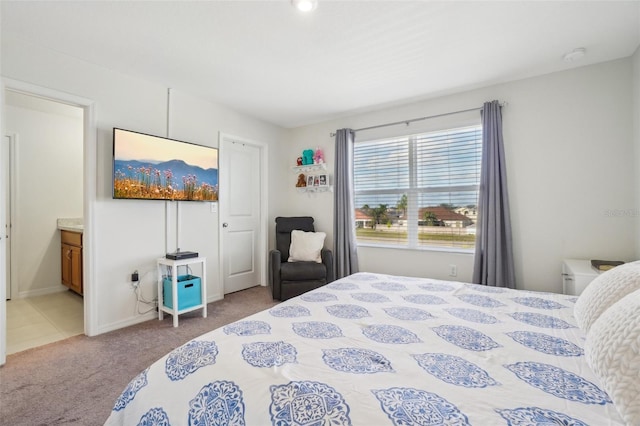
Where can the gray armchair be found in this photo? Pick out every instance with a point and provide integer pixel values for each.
(290, 279)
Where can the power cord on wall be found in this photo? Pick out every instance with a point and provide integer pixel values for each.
(136, 282)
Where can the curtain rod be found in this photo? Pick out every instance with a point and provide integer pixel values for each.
(407, 122)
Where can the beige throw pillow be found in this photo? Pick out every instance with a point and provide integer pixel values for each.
(306, 246)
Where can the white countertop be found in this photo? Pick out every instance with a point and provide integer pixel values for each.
(71, 224)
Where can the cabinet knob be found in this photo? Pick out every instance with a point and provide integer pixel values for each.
(225, 225)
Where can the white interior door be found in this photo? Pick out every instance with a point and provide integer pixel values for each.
(240, 215)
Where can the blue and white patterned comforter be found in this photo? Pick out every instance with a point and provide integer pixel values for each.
(375, 349)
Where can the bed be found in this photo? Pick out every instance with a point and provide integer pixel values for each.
(373, 349)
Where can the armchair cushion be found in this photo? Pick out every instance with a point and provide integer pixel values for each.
(300, 271)
(306, 246)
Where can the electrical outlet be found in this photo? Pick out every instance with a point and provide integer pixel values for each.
(135, 277)
(453, 270)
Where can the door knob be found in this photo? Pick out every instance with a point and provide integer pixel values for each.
(225, 224)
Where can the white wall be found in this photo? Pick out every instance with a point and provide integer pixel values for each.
(569, 151)
(569, 145)
(128, 234)
(48, 171)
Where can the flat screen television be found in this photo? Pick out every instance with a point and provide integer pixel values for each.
(147, 167)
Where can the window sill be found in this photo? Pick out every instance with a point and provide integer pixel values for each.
(425, 249)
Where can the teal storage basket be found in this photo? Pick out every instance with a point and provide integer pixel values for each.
(189, 292)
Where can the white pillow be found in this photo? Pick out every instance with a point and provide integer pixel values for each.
(604, 291)
(306, 246)
(612, 350)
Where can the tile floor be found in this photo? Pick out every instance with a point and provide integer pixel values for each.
(36, 321)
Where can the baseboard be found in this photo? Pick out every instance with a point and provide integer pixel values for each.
(41, 291)
(214, 298)
(142, 318)
(126, 322)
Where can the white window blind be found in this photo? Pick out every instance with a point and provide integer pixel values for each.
(419, 190)
(382, 165)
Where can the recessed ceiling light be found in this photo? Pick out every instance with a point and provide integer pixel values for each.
(305, 5)
(575, 54)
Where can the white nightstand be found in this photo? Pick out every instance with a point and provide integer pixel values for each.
(175, 309)
(576, 275)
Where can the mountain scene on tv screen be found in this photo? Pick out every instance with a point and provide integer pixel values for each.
(168, 180)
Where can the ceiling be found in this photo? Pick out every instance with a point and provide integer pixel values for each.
(267, 60)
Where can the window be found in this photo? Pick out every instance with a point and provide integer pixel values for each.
(418, 191)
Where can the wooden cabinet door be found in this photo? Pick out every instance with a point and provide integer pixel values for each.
(76, 269)
(66, 264)
(71, 267)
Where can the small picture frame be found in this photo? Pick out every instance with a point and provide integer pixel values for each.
(310, 180)
(323, 180)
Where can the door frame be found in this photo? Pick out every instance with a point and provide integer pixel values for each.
(90, 158)
(263, 241)
(12, 198)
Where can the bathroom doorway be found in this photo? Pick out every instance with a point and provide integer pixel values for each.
(45, 158)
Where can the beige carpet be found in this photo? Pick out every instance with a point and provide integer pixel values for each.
(77, 380)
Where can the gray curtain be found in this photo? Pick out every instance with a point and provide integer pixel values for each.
(493, 262)
(344, 234)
